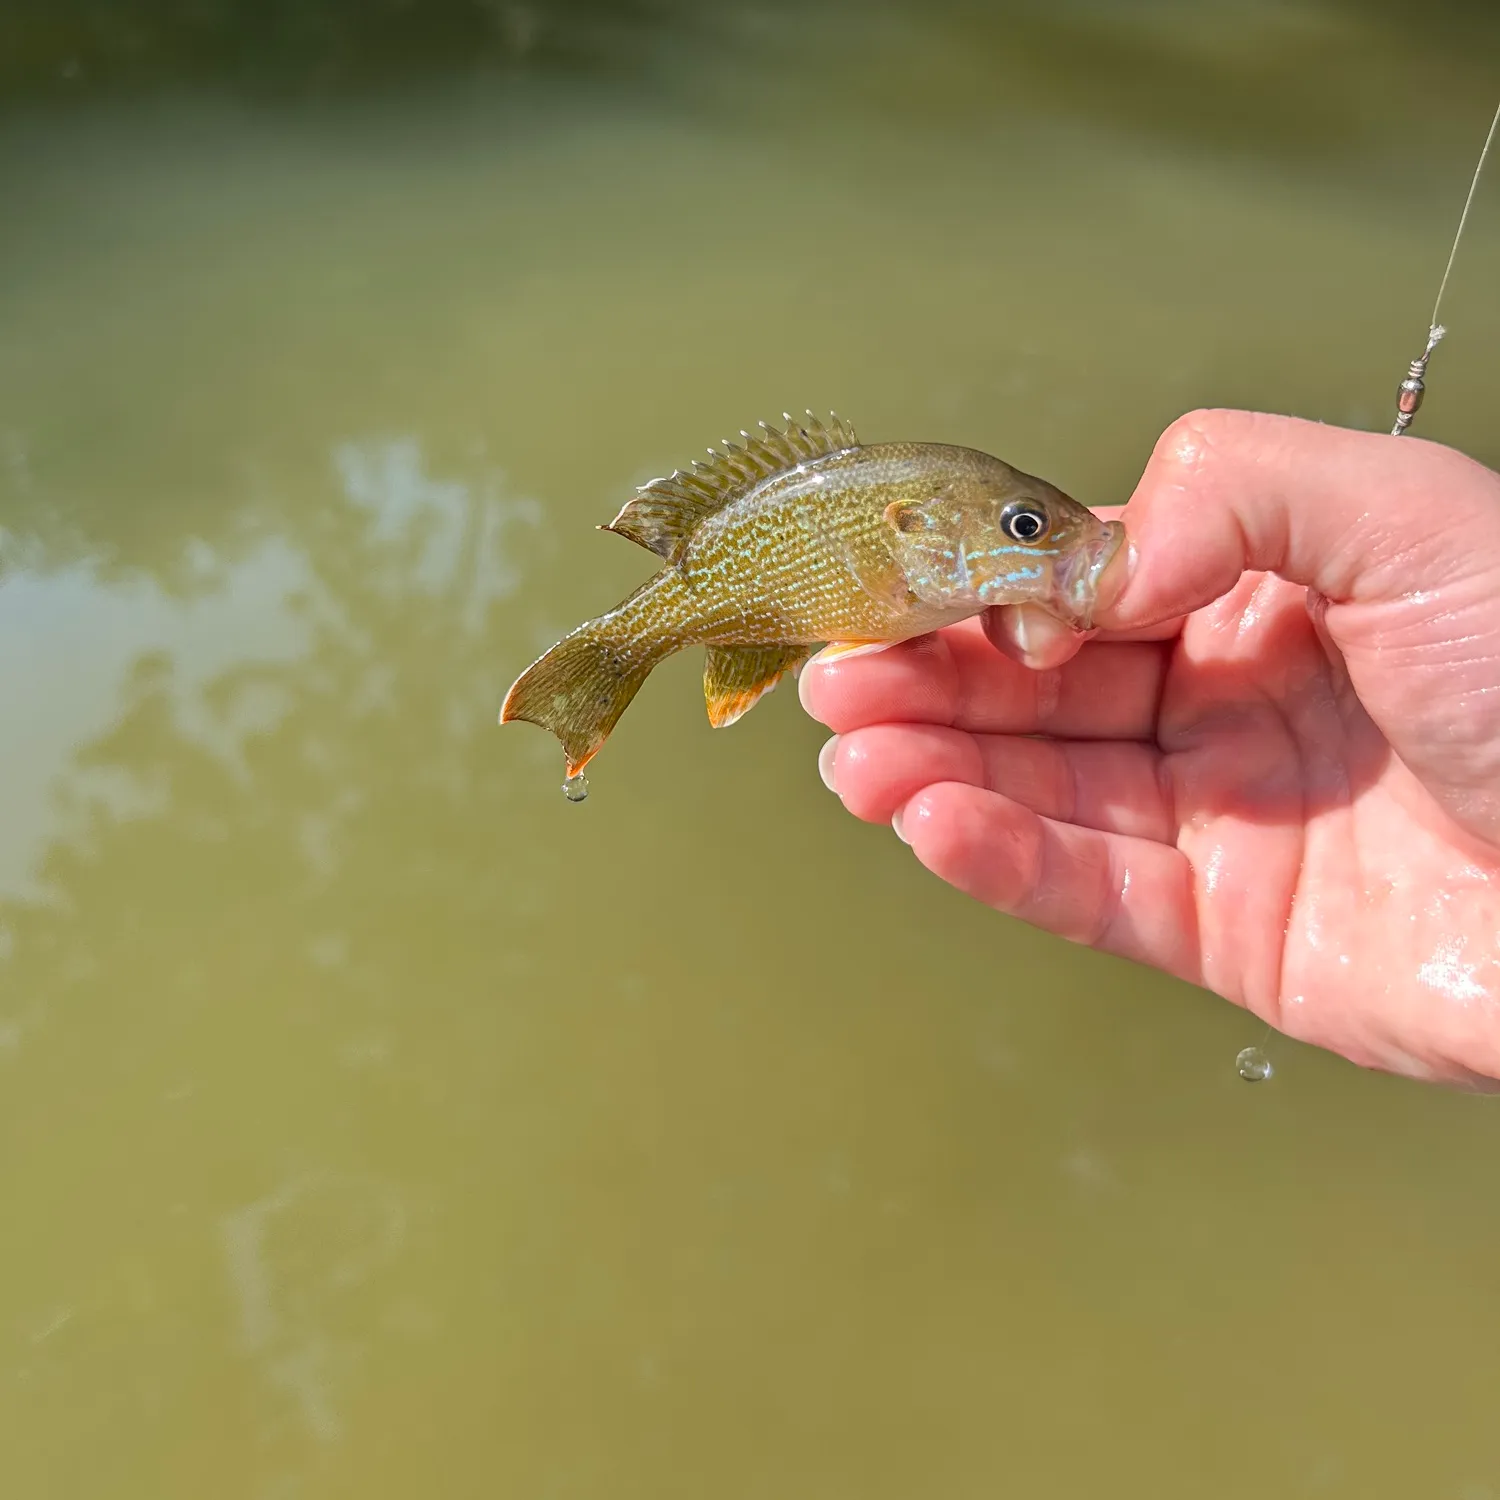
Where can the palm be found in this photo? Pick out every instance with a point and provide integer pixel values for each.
(1329, 890)
(1218, 803)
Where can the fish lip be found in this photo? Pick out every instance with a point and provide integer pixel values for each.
(1077, 582)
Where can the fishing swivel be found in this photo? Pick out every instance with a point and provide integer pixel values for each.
(1409, 394)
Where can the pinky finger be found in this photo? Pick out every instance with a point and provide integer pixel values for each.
(1128, 896)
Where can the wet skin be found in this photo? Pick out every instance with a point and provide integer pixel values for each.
(1276, 772)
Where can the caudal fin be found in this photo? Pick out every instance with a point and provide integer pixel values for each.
(578, 690)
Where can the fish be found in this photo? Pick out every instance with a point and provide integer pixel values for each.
(800, 538)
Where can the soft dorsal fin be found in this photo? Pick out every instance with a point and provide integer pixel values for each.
(666, 512)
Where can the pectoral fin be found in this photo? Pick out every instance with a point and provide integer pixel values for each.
(736, 677)
(844, 650)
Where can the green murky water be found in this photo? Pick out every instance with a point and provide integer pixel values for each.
(372, 1121)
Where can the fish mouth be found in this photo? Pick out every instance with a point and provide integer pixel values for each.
(1076, 581)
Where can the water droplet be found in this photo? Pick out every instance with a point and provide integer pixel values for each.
(1253, 1065)
(576, 788)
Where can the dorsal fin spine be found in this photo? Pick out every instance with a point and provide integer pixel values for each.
(739, 464)
(666, 512)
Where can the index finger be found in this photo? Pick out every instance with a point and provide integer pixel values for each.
(1110, 690)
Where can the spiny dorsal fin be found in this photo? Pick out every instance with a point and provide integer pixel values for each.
(666, 512)
(736, 678)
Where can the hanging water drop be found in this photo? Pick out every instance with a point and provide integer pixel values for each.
(1253, 1065)
(576, 788)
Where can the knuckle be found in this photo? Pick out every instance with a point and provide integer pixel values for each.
(1047, 692)
(1196, 437)
(1064, 786)
(1109, 899)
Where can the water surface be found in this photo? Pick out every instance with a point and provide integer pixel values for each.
(374, 1122)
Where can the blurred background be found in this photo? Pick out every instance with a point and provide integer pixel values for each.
(373, 1122)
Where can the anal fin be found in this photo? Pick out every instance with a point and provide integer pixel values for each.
(735, 678)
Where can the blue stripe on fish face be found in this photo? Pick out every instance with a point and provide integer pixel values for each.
(975, 553)
(1004, 581)
(949, 570)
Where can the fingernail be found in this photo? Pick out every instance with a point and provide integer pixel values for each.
(1023, 631)
(1113, 580)
(826, 757)
(805, 681)
(1037, 639)
(896, 827)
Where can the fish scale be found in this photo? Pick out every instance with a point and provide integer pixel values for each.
(803, 537)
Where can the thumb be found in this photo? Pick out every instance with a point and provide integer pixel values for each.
(1354, 515)
(1400, 536)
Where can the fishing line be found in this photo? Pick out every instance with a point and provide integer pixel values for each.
(1409, 395)
(1463, 218)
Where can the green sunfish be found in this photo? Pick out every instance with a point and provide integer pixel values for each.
(806, 537)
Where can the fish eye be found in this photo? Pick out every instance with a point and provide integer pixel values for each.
(1024, 522)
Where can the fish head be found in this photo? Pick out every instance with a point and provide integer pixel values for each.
(1006, 538)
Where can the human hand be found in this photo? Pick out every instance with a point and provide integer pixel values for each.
(1275, 771)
